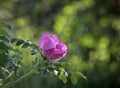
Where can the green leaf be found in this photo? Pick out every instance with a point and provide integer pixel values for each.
(75, 75)
(3, 32)
(61, 75)
(25, 45)
(2, 51)
(61, 69)
(4, 38)
(3, 24)
(14, 40)
(82, 75)
(63, 78)
(1, 84)
(79, 74)
(4, 46)
(20, 42)
(5, 72)
(3, 59)
(34, 46)
(74, 78)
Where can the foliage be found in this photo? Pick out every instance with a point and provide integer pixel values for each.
(90, 28)
(11, 65)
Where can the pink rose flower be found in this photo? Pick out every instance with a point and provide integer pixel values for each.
(52, 48)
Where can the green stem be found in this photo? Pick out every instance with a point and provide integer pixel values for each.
(18, 80)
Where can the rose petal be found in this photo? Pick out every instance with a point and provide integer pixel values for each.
(52, 47)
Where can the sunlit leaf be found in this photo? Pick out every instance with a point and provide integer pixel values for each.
(63, 78)
(61, 69)
(1, 84)
(74, 79)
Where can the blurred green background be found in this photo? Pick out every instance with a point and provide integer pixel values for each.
(90, 28)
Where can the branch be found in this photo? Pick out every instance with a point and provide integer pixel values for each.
(18, 80)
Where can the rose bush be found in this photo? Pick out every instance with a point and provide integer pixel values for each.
(52, 48)
(15, 66)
